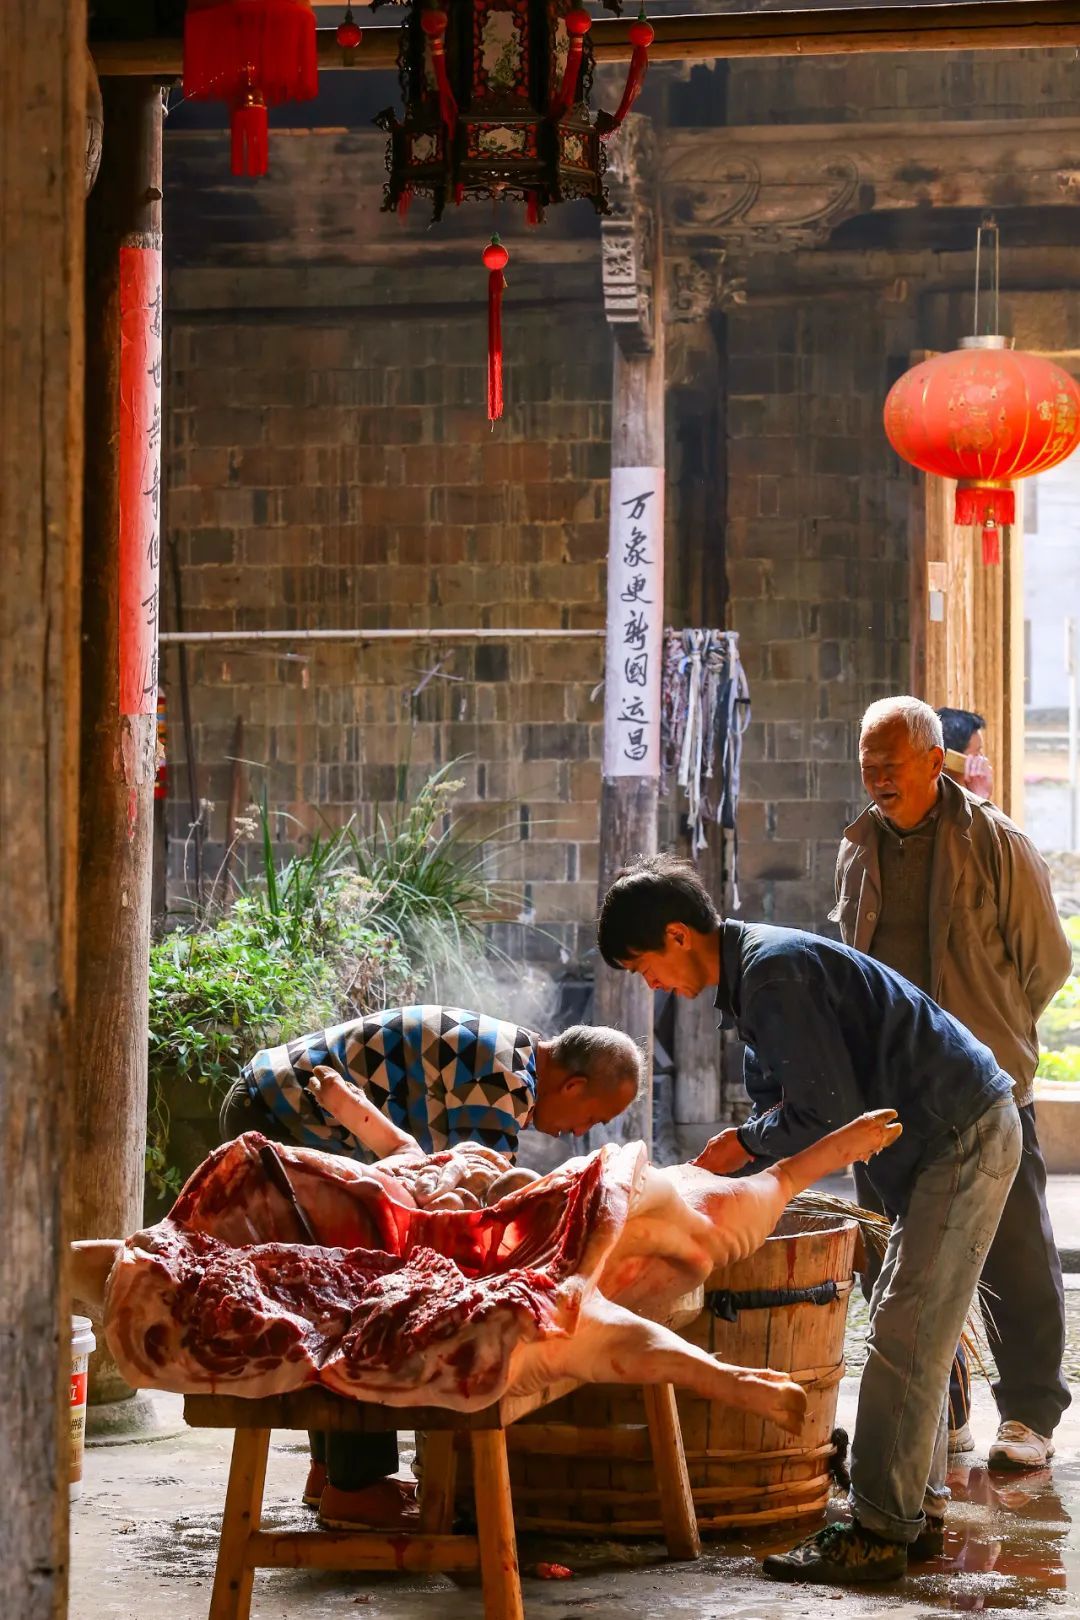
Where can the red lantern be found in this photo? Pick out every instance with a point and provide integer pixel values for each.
(985, 415)
(253, 54)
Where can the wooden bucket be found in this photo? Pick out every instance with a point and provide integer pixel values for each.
(583, 1466)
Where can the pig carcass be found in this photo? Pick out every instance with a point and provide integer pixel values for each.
(280, 1268)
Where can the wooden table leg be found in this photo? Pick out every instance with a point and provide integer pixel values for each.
(437, 1485)
(233, 1577)
(672, 1480)
(495, 1526)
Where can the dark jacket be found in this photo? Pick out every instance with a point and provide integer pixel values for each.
(831, 1034)
(998, 951)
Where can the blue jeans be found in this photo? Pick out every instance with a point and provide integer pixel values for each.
(920, 1300)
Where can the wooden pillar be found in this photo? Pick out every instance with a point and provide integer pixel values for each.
(119, 678)
(967, 647)
(635, 614)
(43, 147)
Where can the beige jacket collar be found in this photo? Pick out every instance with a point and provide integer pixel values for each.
(952, 845)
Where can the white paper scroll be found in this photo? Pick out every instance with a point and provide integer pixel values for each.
(635, 620)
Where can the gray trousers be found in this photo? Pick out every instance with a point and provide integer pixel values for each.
(1025, 1307)
(922, 1295)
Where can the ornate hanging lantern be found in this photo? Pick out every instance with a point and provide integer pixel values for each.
(985, 415)
(496, 105)
(253, 54)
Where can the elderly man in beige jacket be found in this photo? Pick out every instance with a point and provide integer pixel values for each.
(948, 891)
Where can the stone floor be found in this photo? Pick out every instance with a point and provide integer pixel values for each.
(144, 1538)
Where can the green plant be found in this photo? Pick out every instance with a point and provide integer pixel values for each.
(431, 888)
(257, 976)
(353, 922)
(1063, 1064)
(1059, 1026)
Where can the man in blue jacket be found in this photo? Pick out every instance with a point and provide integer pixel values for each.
(831, 1034)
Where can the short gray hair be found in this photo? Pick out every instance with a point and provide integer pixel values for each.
(606, 1056)
(922, 723)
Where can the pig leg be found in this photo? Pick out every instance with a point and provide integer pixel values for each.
(613, 1346)
(743, 1211)
(91, 1262)
(350, 1107)
(859, 1141)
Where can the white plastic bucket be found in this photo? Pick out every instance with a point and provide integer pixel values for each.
(82, 1343)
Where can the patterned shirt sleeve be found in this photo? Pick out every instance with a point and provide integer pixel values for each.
(443, 1074)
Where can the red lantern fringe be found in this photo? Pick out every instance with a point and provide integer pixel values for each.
(578, 24)
(403, 202)
(533, 213)
(641, 37)
(253, 54)
(250, 138)
(495, 259)
(434, 25)
(990, 508)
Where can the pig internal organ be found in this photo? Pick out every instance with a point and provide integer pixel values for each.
(569, 1278)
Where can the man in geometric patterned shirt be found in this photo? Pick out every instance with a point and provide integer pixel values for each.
(445, 1076)
(442, 1074)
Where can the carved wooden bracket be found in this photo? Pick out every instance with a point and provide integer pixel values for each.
(774, 188)
(700, 283)
(733, 198)
(628, 235)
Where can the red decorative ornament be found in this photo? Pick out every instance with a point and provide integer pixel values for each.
(577, 24)
(433, 23)
(642, 35)
(985, 415)
(496, 259)
(253, 54)
(349, 32)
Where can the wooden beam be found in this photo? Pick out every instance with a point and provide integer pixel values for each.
(971, 25)
(635, 605)
(119, 726)
(42, 201)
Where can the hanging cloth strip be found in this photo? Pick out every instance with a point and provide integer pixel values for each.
(705, 709)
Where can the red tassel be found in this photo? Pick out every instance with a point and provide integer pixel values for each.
(403, 202)
(434, 25)
(250, 136)
(991, 509)
(496, 259)
(578, 24)
(641, 37)
(533, 214)
(231, 44)
(459, 194)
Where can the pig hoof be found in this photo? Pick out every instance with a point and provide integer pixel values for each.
(874, 1132)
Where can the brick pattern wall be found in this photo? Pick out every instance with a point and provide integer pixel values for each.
(339, 471)
(817, 568)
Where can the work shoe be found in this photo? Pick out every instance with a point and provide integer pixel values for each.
(388, 1504)
(930, 1541)
(316, 1484)
(840, 1555)
(1017, 1446)
(961, 1440)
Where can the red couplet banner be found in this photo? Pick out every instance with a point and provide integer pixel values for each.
(140, 476)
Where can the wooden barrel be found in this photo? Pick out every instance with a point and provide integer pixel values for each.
(583, 1467)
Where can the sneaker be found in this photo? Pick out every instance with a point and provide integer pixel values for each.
(961, 1440)
(389, 1504)
(840, 1555)
(316, 1484)
(1017, 1446)
(930, 1541)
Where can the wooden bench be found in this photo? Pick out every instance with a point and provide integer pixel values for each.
(245, 1546)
